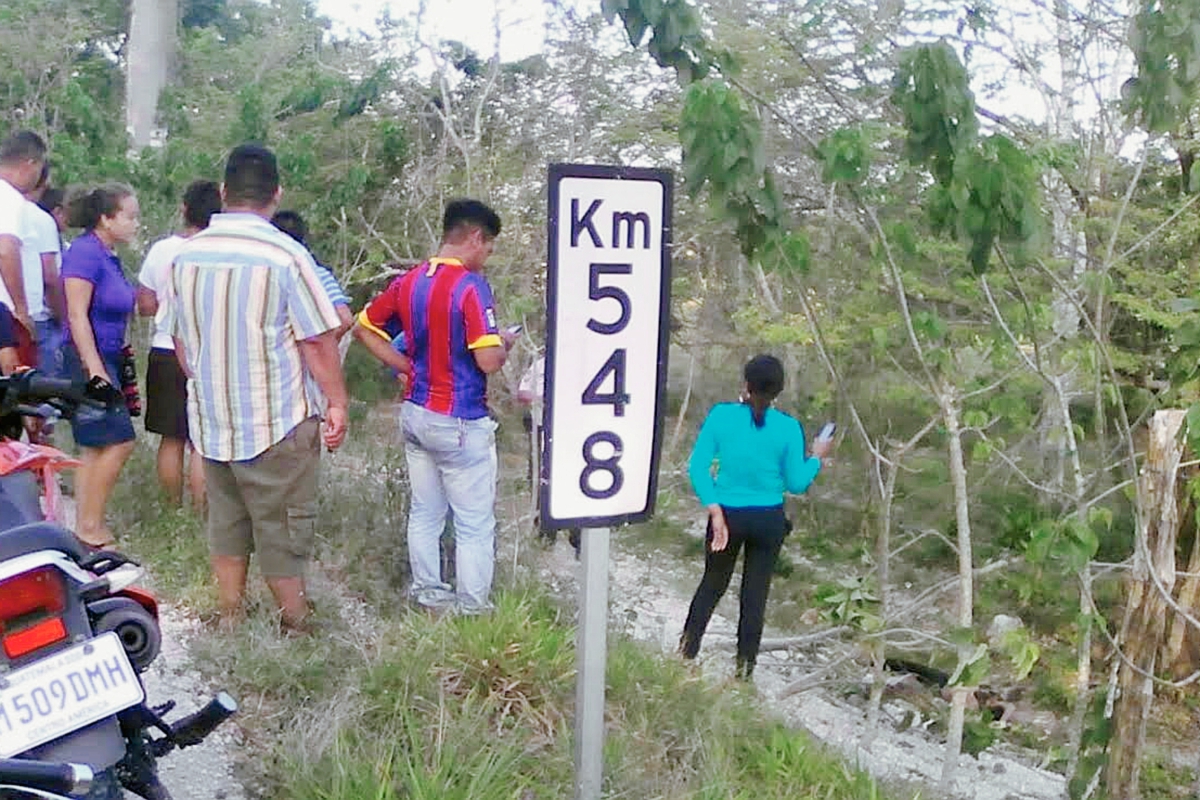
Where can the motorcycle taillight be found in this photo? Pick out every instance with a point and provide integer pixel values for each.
(31, 607)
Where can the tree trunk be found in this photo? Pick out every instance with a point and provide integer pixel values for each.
(1183, 643)
(948, 399)
(1144, 628)
(151, 48)
(1083, 676)
(883, 549)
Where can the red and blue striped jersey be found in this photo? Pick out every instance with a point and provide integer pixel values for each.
(444, 311)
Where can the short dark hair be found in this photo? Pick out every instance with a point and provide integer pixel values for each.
(201, 200)
(291, 223)
(464, 214)
(52, 198)
(87, 208)
(251, 176)
(22, 146)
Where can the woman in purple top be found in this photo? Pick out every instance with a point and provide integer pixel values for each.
(99, 302)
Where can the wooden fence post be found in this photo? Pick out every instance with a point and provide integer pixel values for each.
(1144, 628)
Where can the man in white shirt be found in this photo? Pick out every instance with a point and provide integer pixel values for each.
(166, 383)
(22, 160)
(41, 257)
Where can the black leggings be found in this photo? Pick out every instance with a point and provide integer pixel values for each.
(762, 531)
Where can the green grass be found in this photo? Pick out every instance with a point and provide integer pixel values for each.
(1162, 780)
(385, 702)
(171, 541)
(480, 708)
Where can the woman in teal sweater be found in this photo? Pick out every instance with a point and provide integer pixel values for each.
(747, 455)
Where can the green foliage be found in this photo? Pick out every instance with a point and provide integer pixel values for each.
(846, 155)
(250, 125)
(201, 13)
(1093, 748)
(1165, 41)
(973, 667)
(850, 601)
(979, 733)
(723, 149)
(931, 89)
(994, 195)
(986, 190)
(1162, 779)
(364, 93)
(675, 42)
(1021, 649)
(1067, 544)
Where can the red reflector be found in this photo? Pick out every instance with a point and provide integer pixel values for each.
(31, 606)
(34, 638)
(38, 592)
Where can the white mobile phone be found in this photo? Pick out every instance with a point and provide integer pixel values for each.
(826, 432)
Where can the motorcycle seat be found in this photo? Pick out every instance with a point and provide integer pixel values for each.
(40, 536)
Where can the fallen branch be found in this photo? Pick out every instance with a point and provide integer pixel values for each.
(786, 643)
(813, 679)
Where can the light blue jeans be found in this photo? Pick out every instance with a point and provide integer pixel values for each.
(452, 467)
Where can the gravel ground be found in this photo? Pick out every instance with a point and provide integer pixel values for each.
(203, 772)
(649, 600)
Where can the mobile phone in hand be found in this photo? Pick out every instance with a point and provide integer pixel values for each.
(826, 432)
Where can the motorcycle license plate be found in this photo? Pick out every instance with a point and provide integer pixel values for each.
(64, 692)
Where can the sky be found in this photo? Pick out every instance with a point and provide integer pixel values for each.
(522, 22)
(472, 22)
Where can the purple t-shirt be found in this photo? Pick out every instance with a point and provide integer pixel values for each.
(112, 295)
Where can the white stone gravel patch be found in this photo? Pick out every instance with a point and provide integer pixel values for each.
(649, 600)
(203, 772)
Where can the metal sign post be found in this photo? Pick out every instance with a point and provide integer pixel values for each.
(591, 647)
(608, 300)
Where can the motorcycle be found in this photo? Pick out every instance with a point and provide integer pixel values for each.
(45, 780)
(76, 633)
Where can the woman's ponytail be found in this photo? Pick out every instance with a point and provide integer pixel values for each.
(764, 382)
(85, 209)
(758, 409)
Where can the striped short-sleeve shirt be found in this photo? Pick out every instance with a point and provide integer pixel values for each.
(242, 295)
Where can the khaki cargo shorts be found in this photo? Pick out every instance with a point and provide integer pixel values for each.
(268, 504)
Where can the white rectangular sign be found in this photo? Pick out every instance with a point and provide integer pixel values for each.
(608, 301)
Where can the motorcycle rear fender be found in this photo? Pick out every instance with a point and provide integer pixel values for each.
(99, 745)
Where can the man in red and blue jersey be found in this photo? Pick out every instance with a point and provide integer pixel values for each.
(444, 309)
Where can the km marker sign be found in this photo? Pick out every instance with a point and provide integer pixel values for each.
(608, 289)
(608, 294)
(625, 219)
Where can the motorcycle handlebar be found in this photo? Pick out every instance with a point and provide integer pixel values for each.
(46, 776)
(32, 387)
(193, 728)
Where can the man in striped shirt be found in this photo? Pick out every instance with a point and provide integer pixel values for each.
(250, 318)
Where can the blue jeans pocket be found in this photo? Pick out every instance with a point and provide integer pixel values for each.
(430, 432)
